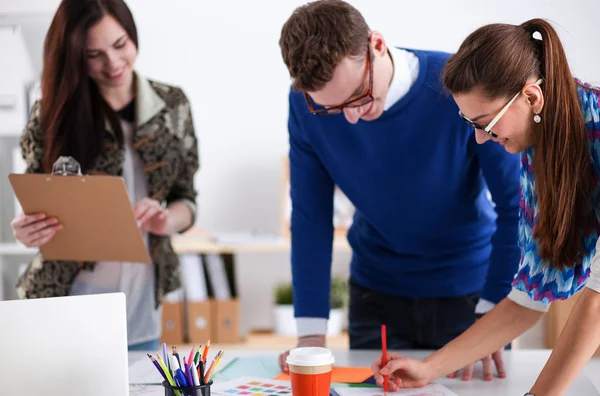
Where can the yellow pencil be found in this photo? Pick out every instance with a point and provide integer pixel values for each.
(219, 360)
(210, 371)
(167, 373)
(214, 365)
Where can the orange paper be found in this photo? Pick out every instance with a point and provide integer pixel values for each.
(348, 375)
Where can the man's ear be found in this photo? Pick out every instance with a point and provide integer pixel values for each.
(377, 43)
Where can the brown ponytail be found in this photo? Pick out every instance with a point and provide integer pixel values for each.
(561, 160)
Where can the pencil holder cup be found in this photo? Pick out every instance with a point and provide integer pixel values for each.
(202, 390)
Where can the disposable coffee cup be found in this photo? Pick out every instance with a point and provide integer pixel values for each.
(310, 371)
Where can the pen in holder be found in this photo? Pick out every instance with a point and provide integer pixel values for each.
(202, 390)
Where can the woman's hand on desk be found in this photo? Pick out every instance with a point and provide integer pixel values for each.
(36, 229)
(402, 372)
(488, 369)
(152, 217)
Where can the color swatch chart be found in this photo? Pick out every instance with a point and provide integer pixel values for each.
(248, 386)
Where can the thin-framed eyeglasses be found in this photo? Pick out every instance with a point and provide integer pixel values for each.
(488, 128)
(362, 100)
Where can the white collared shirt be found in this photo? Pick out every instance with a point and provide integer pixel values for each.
(406, 72)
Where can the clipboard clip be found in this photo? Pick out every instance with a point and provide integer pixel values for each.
(66, 166)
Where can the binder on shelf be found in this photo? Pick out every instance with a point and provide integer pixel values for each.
(198, 312)
(172, 318)
(224, 305)
(217, 274)
(194, 281)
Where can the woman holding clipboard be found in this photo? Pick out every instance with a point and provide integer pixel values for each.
(98, 110)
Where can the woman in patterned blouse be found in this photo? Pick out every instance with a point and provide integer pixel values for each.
(513, 84)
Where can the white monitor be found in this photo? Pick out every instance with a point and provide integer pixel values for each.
(64, 346)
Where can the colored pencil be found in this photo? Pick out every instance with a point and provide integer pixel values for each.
(211, 368)
(191, 357)
(202, 377)
(205, 352)
(160, 370)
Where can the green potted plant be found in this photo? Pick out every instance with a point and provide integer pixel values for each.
(285, 323)
(339, 300)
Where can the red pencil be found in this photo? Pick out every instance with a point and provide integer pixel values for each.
(384, 357)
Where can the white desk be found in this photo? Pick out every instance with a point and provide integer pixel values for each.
(197, 243)
(522, 367)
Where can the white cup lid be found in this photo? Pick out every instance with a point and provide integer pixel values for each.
(310, 356)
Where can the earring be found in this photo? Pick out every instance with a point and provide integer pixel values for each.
(537, 119)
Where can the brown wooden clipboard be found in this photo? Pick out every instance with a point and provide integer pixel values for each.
(95, 211)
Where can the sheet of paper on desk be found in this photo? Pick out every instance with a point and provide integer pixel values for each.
(429, 390)
(254, 386)
(254, 366)
(144, 372)
(146, 390)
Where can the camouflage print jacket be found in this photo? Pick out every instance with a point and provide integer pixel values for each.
(165, 140)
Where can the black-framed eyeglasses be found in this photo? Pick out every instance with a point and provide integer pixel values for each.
(353, 103)
(476, 125)
(488, 128)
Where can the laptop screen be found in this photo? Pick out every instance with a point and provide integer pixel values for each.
(65, 346)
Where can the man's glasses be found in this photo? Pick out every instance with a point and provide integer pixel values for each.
(488, 128)
(353, 103)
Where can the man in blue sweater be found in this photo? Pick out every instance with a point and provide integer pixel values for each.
(430, 249)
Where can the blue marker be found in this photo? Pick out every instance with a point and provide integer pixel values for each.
(181, 377)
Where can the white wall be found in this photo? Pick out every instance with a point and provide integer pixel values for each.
(28, 6)
(13, 110)
(225, 55)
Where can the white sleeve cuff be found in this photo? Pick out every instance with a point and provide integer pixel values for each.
(484, 306)
(594, 280)
(523, 299)
(311, 326)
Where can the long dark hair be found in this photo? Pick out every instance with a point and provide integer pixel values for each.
(73, 112)
(499, 59)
